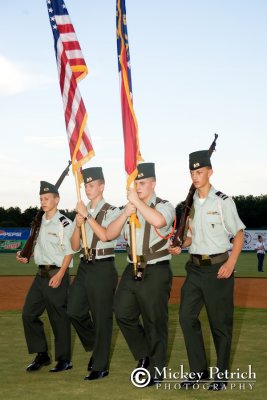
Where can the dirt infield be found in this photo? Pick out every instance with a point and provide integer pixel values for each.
(249, 292)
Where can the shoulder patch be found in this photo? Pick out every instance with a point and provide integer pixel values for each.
(159, 200)
(64, 221)
(221, 195)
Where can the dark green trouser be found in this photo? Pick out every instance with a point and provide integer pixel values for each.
(148, 299)
(202, 287)
(90, 308)
(41, 297)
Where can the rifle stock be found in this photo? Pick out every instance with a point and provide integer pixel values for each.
(179, 235)
(36, 222)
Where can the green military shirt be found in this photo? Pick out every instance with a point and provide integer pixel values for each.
(168, 212)
(213, 221)
(53, 241)
(111, 214)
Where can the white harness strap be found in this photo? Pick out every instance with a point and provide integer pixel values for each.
(219, 202)
(61, 233)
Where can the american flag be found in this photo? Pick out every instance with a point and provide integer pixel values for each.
(71, 68)
(130, 127)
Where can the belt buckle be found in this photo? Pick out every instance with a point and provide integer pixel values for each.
(91, 257)
(140, 268)
(90, 254)
(44, 274)
(205, 257)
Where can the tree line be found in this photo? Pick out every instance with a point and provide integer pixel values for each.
(252, 211)
(13, 217)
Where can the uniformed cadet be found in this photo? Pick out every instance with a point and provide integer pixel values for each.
(49, 290)
(209, 280)
(146, 294)
(90, 306)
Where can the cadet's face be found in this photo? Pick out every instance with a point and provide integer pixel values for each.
(200, 177)
(48, 201)
(145, 188)
(93, 189)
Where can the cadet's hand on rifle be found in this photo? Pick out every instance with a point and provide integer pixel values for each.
(174, 250)
(81, 209)
(129, 209)
(225, 270)
(22, 260)
(55, 281)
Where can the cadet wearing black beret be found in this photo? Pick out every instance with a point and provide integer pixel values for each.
(49, 290)
(90, 305)
(210, 279)
(141, 301)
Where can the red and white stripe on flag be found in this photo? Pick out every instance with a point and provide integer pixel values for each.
(71, 68)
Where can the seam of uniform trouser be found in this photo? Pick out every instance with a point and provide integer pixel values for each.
(193, 268)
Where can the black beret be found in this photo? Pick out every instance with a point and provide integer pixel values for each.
(92, 174)
(46, 187)
(145, 170)
(199, 159)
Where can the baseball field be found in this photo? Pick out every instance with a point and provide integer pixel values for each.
(248, 351)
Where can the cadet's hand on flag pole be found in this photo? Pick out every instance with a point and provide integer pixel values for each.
(79, 220)
(81, 209)
(129, 209)
(132, 195)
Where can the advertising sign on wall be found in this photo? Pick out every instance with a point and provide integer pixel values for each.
(14, 239)
(251, 237)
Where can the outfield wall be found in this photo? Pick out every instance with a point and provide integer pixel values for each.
(14, 239)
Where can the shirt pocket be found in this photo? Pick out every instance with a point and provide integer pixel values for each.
(53, 238)
(214, 221)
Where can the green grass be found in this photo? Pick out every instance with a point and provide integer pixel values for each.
(249, 347)
(246, 265)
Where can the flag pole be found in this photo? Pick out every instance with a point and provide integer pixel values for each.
(133, 237)
(82, 227)
(130, 127)
(71, 69)
(133, 244)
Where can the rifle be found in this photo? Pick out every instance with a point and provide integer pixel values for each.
(187, 204)
(36, 222)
